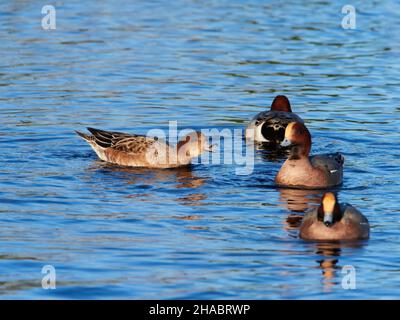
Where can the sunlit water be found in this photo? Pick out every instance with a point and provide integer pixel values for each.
(203, 232)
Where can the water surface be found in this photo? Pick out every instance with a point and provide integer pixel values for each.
(201, 232)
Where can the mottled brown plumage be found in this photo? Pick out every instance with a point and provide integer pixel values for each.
(142, 151)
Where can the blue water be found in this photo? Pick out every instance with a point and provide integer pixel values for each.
(202, 232)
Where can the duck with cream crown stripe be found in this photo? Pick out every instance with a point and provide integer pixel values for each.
(302, 171)
(269, 126)
(332, 221)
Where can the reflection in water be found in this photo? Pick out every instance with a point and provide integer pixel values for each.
(271, 152)
(191, 218)
(188, 218)
(186, 179)
(330, 253)
(192, 199)
(181, 177)
(137, 66)
(297, 201)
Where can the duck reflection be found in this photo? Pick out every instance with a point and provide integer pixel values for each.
(329, 253)
(271, 152)
(183, 177)
(299, 200)
(194, 222)
(179, 178)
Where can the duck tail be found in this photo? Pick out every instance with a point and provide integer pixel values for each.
(341, 157)
(84, 136)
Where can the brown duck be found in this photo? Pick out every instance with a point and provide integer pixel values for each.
(142, 151)
(332, 221)
(302, 171)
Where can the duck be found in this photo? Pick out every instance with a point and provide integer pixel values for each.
(134, 150)
(302, 171)
(332, 221)
(269, 126)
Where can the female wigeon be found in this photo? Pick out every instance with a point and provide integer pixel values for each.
(332, 221)
(269, 126)
(141, 151)
(300, 170)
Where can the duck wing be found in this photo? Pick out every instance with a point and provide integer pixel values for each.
(130, 143)
(310, 217)
(331, 164)
(355, 221)
(351, 213)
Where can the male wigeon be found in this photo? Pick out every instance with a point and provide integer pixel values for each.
(300, 170)
(332, 221)
(141, 151)
(269, 126)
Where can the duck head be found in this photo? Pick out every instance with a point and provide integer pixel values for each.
(329, 210)
(281, 103)
(298, 138)
(193, 145)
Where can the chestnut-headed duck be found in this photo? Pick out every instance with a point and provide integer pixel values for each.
(141, 151)
(300, 170)
(332, 221)
(269, 126)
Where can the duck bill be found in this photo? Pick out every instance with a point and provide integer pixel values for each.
(286, 143)
(328, 219)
